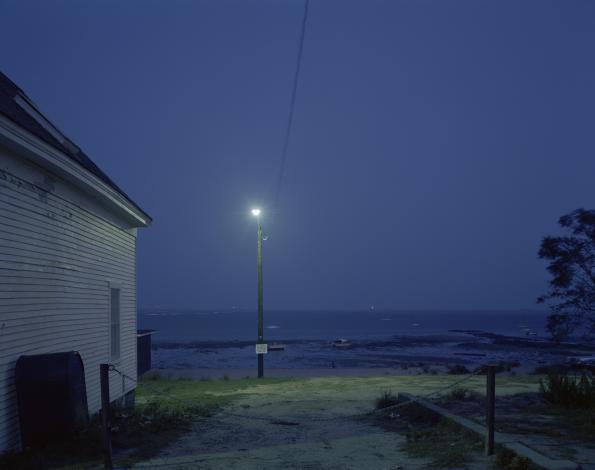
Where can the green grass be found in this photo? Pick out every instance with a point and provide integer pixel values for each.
(165, 410)
(445, 444)
(177, 393)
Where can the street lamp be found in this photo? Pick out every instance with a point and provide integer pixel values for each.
(261, 347)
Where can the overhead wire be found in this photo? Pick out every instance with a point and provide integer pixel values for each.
(289, 125)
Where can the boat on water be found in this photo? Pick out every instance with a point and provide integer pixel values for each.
(341, 343)
(276, 347)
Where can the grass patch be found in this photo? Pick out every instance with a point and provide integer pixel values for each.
(447, 445)
(429, 436)
(165, 410)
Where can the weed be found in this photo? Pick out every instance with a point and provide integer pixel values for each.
(385, 400)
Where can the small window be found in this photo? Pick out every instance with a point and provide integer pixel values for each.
(114, 324)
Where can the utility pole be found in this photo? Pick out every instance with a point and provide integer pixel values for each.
(261, 347)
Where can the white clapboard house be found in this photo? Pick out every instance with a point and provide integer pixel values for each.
(67, 257)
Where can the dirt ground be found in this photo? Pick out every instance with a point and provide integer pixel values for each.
(310, 424)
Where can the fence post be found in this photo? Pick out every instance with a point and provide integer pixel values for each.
(105, 416)
(490, 408)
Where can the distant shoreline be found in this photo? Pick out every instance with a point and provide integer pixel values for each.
(395, 355)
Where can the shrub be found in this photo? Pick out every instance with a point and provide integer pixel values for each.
(463, 394)
(502, 366)
(457, 369)
(568, 391)
(385, 400)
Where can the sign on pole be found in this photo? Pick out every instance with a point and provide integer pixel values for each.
(262, 348)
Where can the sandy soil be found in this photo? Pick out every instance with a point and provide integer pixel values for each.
(307, 424)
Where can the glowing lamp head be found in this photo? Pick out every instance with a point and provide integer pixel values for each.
(255, 212)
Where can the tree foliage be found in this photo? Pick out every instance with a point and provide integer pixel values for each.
(571, 294)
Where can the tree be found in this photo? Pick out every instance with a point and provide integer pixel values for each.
(571, 294)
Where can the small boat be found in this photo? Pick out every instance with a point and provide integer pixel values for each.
(276, 347)
(341, 343)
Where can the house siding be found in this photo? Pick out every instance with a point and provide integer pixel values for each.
(59, 252)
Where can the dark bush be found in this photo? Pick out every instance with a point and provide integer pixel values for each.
(508, 460)
(463, 394)
(458, 369)
(568, 391)
(502, 366)
(575, 368)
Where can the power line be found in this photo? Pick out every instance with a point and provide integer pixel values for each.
(296, 77)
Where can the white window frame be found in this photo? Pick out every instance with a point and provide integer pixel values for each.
(114, 359)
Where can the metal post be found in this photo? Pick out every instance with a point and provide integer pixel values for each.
(490, 409)
(260, 303)
(105, 416)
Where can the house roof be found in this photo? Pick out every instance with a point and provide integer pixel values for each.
(18, 107)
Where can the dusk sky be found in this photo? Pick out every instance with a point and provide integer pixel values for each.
(434, 142)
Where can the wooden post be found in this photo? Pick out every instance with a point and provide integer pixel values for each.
(105, 416)
(490, 408)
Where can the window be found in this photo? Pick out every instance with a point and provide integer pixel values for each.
(114, 324)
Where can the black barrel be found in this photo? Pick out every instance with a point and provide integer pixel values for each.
(143, 351)
(51, 395)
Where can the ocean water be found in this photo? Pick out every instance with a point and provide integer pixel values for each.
(187, 325)
(225, 339)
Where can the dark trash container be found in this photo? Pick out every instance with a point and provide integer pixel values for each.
(143, 351)
(51, 396)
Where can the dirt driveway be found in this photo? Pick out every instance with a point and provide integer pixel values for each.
(307, 424)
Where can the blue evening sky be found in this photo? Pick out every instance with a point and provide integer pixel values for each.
(434, 142)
